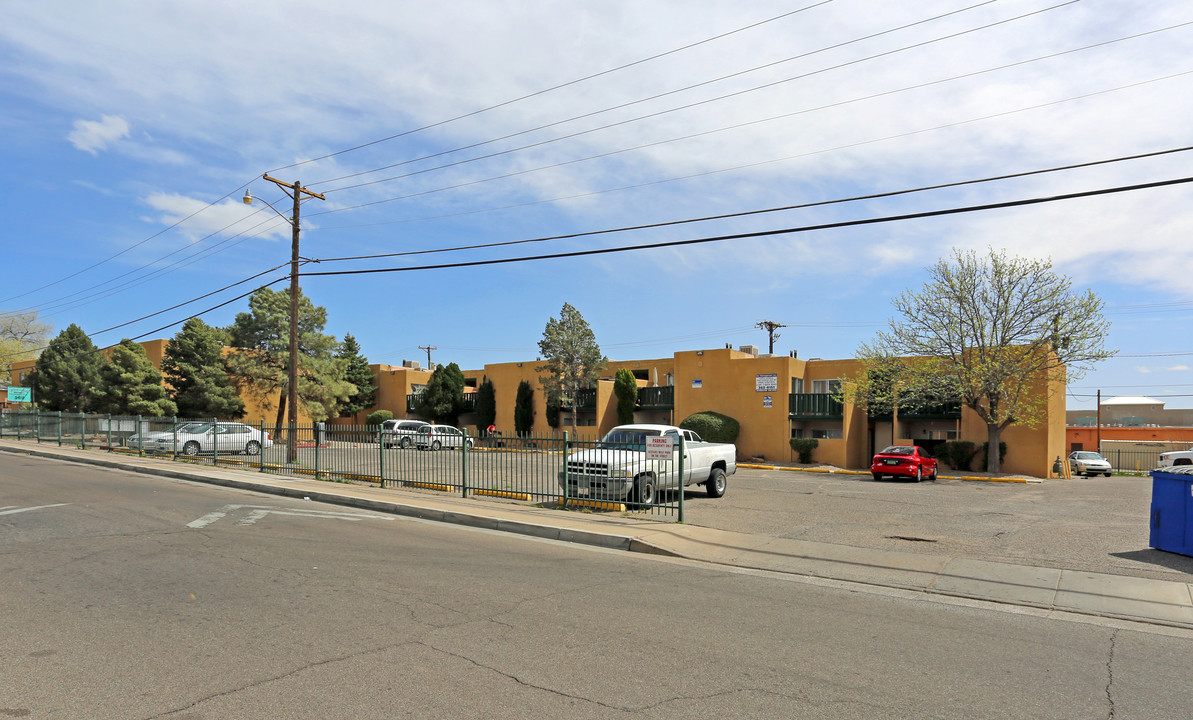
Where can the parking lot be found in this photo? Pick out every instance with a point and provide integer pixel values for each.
(1095, 524)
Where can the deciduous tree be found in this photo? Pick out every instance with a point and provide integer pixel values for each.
(999, 334)
(21, 338)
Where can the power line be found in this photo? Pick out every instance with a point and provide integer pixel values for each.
(693, 104)
(649, 98)
(768, 233)
(784, 208)
(550, 89)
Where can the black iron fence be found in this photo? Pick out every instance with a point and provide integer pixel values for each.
(533, 469)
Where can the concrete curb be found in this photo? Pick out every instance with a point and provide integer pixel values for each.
(1158, 602)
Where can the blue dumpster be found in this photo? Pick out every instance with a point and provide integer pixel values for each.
(1172, 510)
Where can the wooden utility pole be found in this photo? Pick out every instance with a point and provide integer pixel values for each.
(770, 327)
(296, 191)
(428, 348)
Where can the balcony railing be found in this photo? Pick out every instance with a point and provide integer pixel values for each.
(413, 398)
(814, 406)
(653, 398)
(943, 411)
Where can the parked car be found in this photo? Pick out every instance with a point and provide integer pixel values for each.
(904, 460)
(400, 432)
(620, 468)
(1090, 463)
(147, 439)
(224, 437)
(440, 436)
(1176, 457)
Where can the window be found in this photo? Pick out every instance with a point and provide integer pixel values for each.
(797, 385)
(826, 434)
(826, 386)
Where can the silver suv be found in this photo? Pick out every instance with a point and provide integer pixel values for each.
(400, 432)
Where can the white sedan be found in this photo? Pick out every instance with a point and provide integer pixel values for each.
(440, 436)
(224, 437)
(1087, 462)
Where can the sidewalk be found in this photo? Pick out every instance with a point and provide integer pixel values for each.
(1140, 599)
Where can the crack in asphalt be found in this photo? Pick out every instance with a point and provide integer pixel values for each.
(1110, 675)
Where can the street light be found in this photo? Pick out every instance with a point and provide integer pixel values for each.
(295, 190)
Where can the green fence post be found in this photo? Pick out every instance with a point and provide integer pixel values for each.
(381, 454)
(464, 465)
(59, 428)
(315, 430)
(682, 449)
(215, 442)
(37, 426)
(261, 456)
(140, 438)
(566, 479)
(82, 434)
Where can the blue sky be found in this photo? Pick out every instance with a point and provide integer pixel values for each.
(130, 132)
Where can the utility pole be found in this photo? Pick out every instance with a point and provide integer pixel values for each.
(428, 348)
(770, 327)
(296, 191)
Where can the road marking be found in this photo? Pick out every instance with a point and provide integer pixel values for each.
(10, 509)
(259, 512)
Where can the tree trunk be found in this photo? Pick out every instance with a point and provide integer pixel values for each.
(993, 436)
(281, 413)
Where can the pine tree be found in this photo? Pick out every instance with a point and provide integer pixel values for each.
(193, 365)
(132, 385)
(524, 409)
(67, 374)
(260, 364)
(443, 399)
(357, 372)
(486, 404)
(574, 359)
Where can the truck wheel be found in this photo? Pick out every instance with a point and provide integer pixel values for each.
(715, 486)
(644, 490)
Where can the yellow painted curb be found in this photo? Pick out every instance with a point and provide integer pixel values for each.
(503, 494)
(597, 505)
(971, 478)
(427, 486)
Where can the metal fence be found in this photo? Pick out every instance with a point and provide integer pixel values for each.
(528, 469)
(1134, 459)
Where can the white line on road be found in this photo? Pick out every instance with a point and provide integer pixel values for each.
(10, 509)
(258, 512)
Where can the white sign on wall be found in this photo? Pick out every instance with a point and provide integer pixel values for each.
(766, 383)
(659, 447)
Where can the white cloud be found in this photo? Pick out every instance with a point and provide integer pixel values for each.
(91, 136)
(1178, 368)
(198, 219)
(1142, 370)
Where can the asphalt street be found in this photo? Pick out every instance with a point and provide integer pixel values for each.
(135, 596)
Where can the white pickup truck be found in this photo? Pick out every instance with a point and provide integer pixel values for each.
(618, 467)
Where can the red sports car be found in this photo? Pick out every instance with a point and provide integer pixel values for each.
(906, 460)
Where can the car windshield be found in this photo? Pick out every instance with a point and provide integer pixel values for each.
(628, 436)
(898, 450)
(1088, 456)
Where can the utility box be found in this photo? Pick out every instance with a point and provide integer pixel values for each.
(1172, 510)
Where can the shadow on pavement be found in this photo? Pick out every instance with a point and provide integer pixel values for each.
(1174, 561)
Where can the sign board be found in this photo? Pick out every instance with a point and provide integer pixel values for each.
(766, 383)
(20, 394)
(768, 401)
(659, 447)
(697, 383)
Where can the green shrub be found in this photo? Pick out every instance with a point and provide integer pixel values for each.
(804, 446)
(958, 454)
(713, 426)
(378, 416)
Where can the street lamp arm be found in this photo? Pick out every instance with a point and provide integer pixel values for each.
(249, 198)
